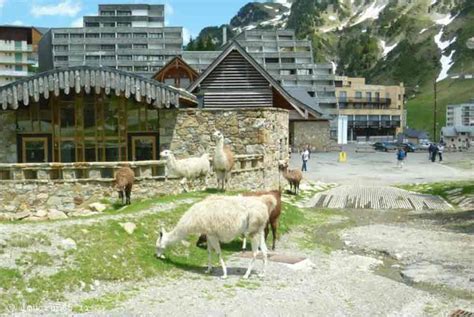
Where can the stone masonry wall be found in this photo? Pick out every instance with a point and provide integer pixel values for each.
(188, 132)
(314, 133)
(7, 137)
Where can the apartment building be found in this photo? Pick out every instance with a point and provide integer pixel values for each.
(128, 37)
(18, 52)
(373, 112)
(286, 59)
(459, 130)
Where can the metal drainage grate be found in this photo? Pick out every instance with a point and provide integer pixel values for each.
(461, 313)
(275, 257)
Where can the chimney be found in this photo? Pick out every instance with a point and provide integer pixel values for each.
(224, 35)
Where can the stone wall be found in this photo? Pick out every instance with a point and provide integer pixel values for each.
(314, 133)
(8, 137)
(188, 132)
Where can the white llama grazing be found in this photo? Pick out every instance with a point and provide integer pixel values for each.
(190, 168)
(222, 219)
(223, 161)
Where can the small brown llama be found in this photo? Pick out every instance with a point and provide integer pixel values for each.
(223, 161)
(124, 179)
(293, 177)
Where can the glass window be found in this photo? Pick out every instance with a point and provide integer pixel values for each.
(89, 117)
(358, 94)
(124, 34)
(67, 119)
(77, 36)
(140, 35)
(92, 24)
(124, 13)
(92, 35)
(271, 60)
(35, 150)
(111, 151)
(61, 35)
(68, 152)
(107, 35)
(92, 58)
(110, 117)
(108, 24)
(155, 35)
(140, 46)
(125, 57)
(124, 24)
(90, 152)
(124, 46)
(107, 47)
(107, 13)
(45, 116)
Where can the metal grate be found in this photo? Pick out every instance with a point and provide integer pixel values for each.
(461, 313)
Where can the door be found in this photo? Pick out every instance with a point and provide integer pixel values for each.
(143, 146)
(34, 149)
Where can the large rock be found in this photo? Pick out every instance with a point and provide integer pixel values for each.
(21, 215)
(55, 214)
(97, 207)
(68, 244)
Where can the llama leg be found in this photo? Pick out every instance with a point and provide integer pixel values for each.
(255, 242)
(216, 246)
(274, 231)
(121, 196)
(209, 259)
(263, 247)
(244, 243)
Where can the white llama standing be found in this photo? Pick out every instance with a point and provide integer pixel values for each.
(222, 219)
(190, 168)
(223, 161)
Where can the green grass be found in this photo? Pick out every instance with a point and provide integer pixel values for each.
(105, 252)
(105, 302)
(420, 114)
(441, 189)
(31, 259)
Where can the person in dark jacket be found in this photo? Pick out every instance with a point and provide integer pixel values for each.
(434, 153)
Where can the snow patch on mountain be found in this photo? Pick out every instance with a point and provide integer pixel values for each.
(386, 49)
(446, 63)
(372, 12)
(445, 19)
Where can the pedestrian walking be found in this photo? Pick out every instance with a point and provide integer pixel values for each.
(430, 151)
(440, 151)
(304, 158)
(434, 153)
(401, 154)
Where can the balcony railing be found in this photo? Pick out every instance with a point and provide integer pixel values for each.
(374, 124)
(104, 171)
(365, 100)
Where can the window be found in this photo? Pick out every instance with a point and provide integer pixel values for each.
(304, 71)
(77, 36)
(92, 35)
(60, 48)
(108, 58)
(107, 13)
(126, 68)
(140, 58)
(124, 46)
(92, 24)
(110, 47)
(92, 58)
(124, 13)
(285, 37)
(92, 47)
(60, 58)
(369, 95)
(141, 68)
(271, 60)
(124, 57)
(358, 94)
(76, 47)
(124, 34)
(61, 35)
(124, 24)
(108, 24)
(107, 35)
(288, 60)
(18, 68)
(145, 46)
(155, 58)
(140, 35)
(155, 35)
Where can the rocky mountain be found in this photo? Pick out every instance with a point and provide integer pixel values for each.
(416, 42)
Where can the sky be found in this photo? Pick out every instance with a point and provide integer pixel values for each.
(192, 15)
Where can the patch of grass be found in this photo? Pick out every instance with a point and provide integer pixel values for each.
(442, 189)
(32, 259)
(248, 284)
(25, 241)
(105, 302)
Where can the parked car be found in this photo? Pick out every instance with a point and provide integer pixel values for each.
(385, 146)
(409, 147)
(424, 145)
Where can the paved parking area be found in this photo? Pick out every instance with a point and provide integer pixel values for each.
(379, 168)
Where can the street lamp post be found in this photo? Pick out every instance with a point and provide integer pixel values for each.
(435, 110)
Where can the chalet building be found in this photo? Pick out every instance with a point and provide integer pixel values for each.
(176, 73)
(236, 80)
(84, 114)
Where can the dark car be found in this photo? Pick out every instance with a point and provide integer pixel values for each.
(409, 147)
(385, 146)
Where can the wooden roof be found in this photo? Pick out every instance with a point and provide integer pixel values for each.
(175, 63)
(92, 78)
(233, 47)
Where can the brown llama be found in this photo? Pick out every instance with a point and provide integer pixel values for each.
(124, 179)
(293, 177)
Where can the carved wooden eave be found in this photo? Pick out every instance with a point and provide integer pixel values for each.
(96, 79)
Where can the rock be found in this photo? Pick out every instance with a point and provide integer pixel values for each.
(10, 208)
(54, 201)
(41, 213)
(97, 207)
(5, 217)
(42, 196)
(68, 244)
(78, 200)
(55, 214)
(35, 218)
(129, 227)
(21, 215)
